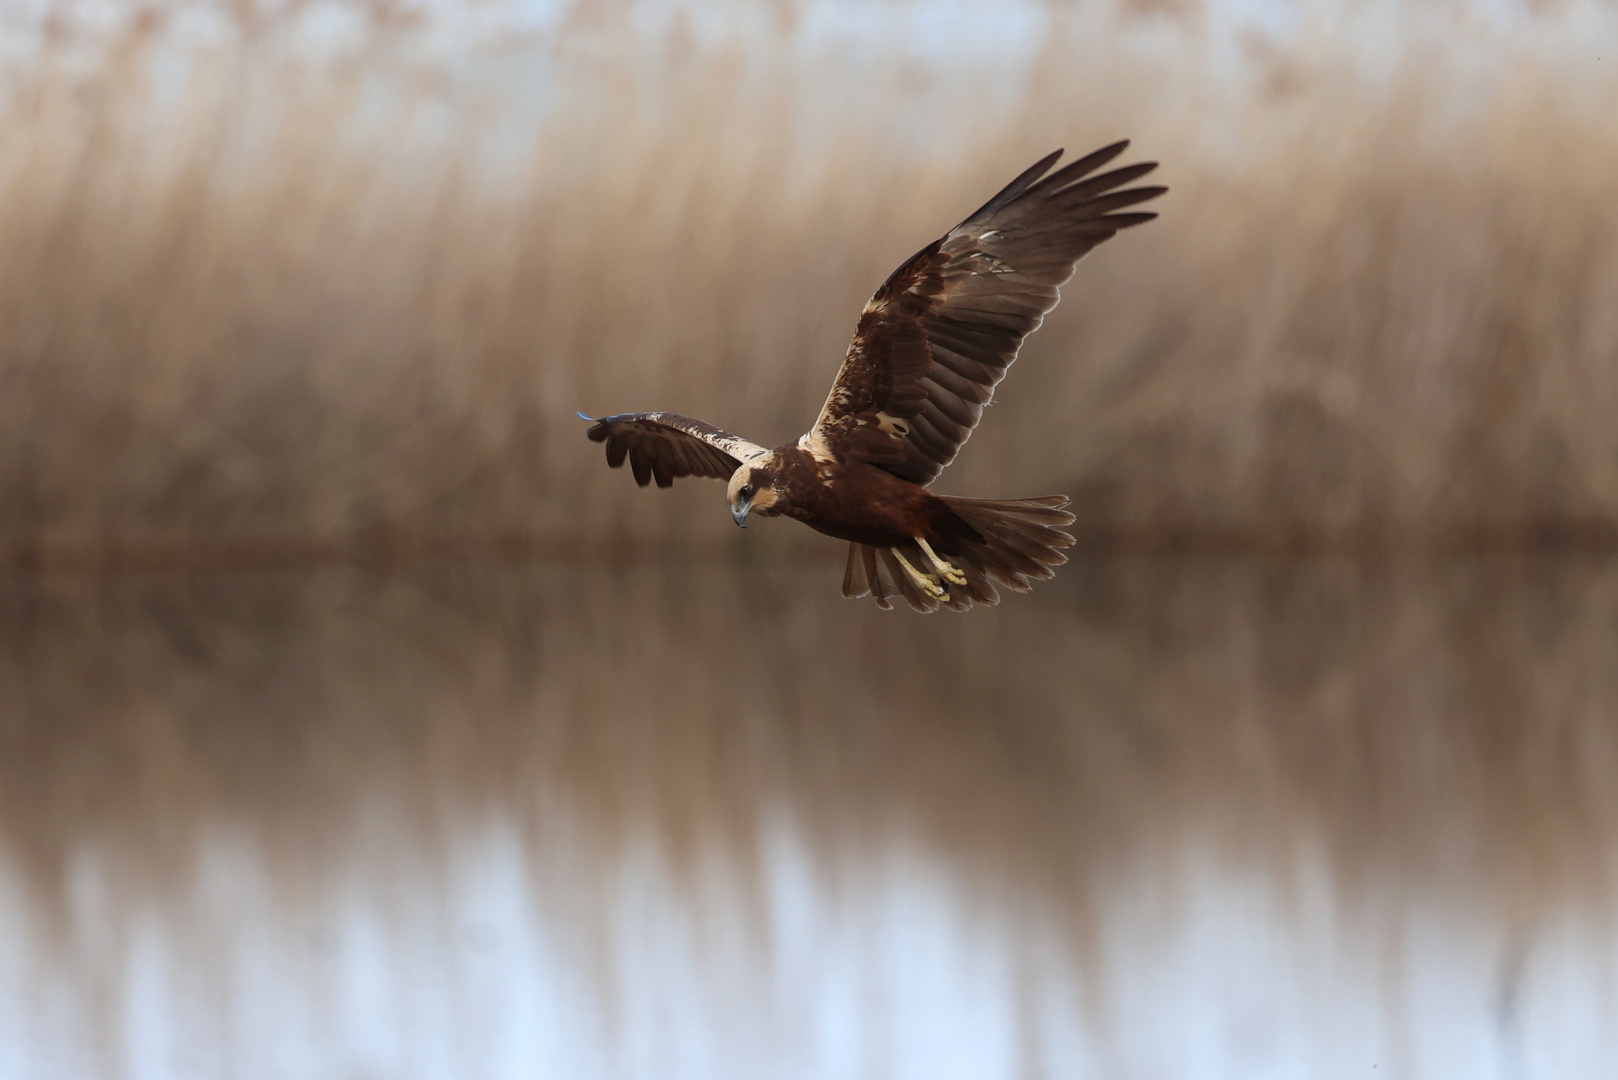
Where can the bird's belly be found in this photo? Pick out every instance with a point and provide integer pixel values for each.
(866, 506)
(873, 532)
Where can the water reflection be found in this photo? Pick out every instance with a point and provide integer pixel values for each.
(1162, 819)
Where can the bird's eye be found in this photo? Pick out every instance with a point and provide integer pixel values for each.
(747, 491)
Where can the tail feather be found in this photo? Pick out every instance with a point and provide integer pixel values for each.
(1006, 544)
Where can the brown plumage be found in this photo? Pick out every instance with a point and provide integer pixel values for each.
(930, 347)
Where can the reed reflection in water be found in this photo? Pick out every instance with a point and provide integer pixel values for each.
(1174, 818)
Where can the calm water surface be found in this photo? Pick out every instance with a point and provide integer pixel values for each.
(1160, 819)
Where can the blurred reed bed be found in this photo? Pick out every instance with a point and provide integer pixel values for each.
(1439, 731)
(267, 298)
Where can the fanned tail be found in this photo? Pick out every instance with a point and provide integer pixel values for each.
(1006, 544)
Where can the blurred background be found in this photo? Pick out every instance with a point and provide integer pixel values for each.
(357, 722)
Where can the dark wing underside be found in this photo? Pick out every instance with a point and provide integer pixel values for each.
(664, 446)
(938, 336)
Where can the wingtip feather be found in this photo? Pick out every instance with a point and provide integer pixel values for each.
(1025, 180)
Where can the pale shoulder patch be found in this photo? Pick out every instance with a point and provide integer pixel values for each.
(814, 444)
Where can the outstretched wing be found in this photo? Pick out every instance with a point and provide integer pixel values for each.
(664, 446)
(940, 333)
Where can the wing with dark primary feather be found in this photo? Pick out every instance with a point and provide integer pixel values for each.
(938, 336)
(665, 446)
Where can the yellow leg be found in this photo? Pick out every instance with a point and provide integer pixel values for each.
(948, 571)
(927, 585)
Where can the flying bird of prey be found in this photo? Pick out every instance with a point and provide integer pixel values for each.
(928, 351)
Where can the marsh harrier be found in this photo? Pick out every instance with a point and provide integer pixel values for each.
(930, 347)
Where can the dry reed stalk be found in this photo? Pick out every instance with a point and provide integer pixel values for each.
(256, 299)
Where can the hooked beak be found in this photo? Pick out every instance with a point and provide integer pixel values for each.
(739, 511)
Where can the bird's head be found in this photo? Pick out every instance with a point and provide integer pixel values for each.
(753, 490)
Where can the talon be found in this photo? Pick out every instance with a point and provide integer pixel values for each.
(946, 570)
(927, 584)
